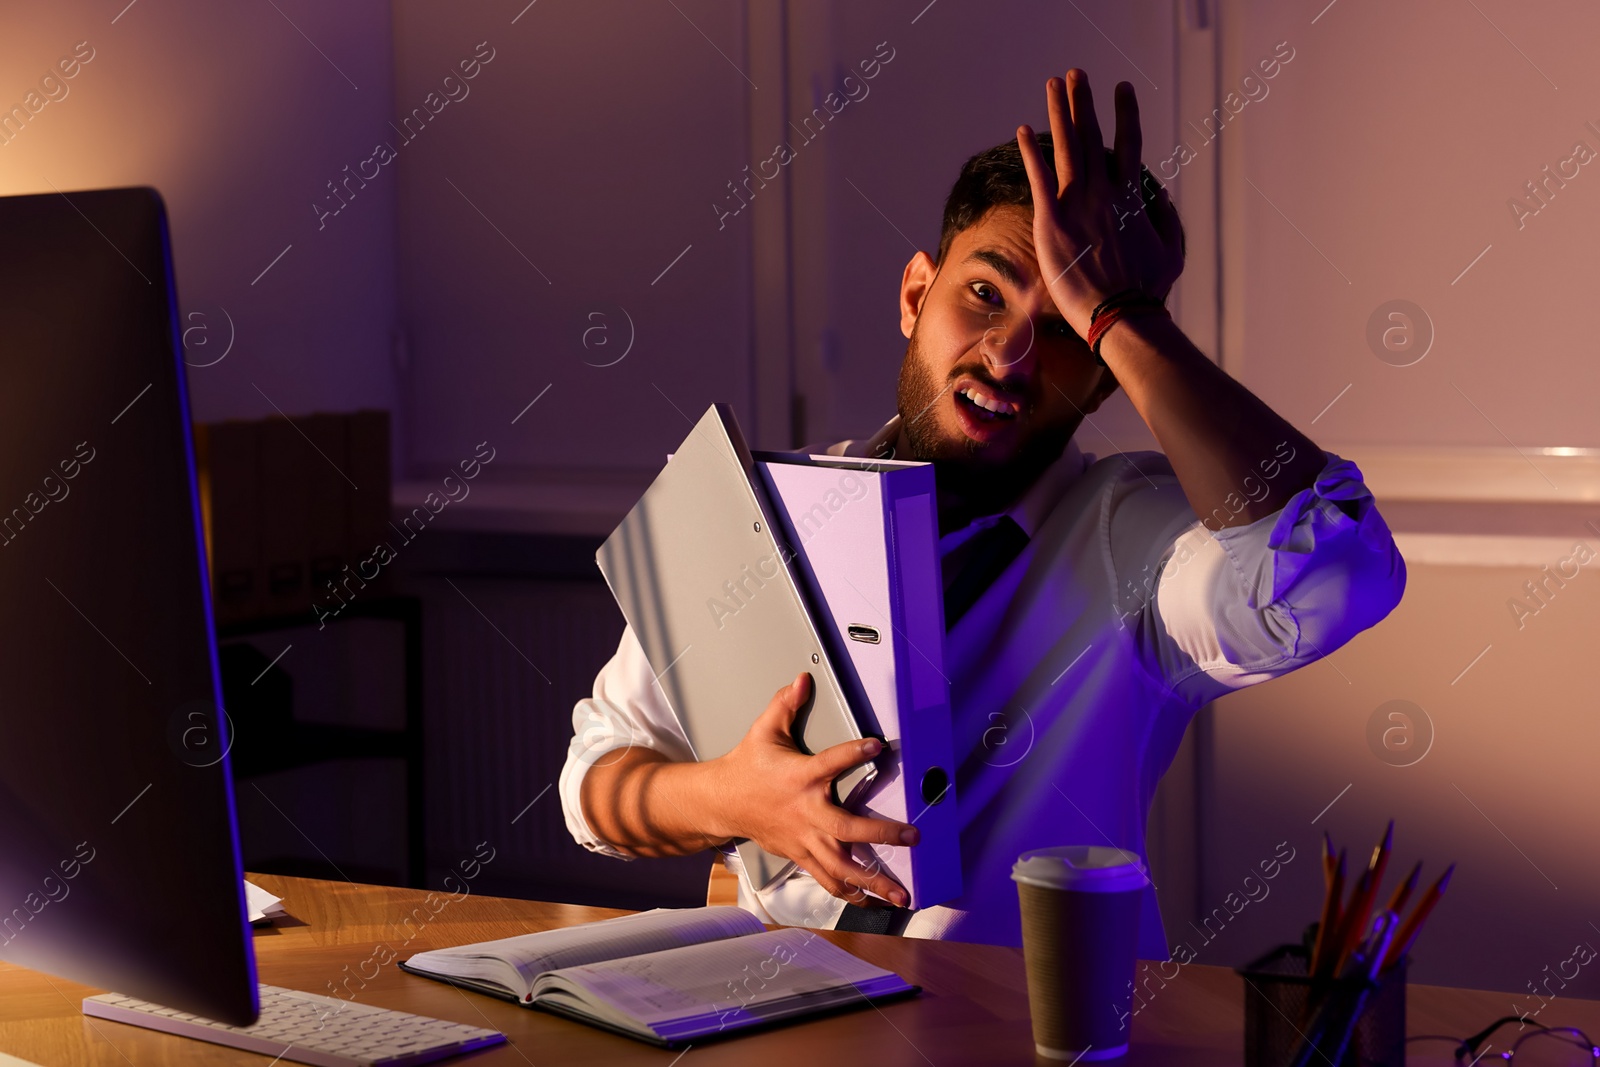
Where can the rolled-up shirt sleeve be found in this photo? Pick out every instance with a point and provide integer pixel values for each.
(1222, 610)
(627, 710)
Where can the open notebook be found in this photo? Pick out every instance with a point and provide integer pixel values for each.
(670, 975)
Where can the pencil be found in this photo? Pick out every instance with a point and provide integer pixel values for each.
(1375, 866)
(1353, 926)
(1409, 930)
(1330, 914)
(1403, 891)
(1328, 863)
(1380, 859)
(1355, 929)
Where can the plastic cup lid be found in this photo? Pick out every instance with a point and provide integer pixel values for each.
(1084, 868)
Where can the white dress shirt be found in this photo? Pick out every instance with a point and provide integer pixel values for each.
(1074, 675)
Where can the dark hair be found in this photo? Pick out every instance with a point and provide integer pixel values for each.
(997, 177)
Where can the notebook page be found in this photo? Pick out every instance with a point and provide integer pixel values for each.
(740, 979)
(626, 935)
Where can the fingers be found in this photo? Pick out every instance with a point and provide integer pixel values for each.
(1069, 151)
(842, 877)
(778, 718)
(1130, 140)
(846, 891)
(1092, 145)
(836, 759)
(1040, 181)
(847, 826)
(1165, 218)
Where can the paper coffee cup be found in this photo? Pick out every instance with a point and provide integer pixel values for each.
(1080, 935)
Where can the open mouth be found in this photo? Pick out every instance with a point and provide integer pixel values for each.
(985, 406)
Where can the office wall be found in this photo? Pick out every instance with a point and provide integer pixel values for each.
(240, 115)
(1384, 166)
(542, 217)
(542, 221)
(1385, 161)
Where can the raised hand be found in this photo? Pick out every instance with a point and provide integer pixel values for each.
(1091, 232)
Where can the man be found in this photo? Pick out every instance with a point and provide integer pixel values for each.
(1091, 606)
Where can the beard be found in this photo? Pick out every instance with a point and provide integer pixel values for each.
(968, 469)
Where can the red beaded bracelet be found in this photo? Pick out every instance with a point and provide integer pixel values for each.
(1111, 311)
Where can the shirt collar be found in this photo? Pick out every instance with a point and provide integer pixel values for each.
(1030, 510)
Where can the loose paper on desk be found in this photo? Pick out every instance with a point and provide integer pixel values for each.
(262, 905)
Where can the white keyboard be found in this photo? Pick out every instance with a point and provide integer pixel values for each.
(310, 1028)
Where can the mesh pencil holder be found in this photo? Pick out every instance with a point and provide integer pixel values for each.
(1278, 1015)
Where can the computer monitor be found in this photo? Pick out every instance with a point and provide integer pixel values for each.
(119, 854)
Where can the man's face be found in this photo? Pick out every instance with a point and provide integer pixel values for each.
(994, 381)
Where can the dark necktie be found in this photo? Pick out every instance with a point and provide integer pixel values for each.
(968, 569)
(971, 567)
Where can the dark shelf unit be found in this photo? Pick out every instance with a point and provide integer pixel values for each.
(317, 743)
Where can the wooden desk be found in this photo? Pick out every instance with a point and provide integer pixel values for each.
(974, 1008)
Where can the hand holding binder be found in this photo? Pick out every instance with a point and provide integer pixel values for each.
(779, 798)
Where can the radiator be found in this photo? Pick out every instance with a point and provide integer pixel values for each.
(505, 660)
